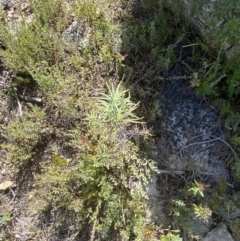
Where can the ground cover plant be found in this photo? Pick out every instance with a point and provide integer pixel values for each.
(80, 85)
(79, 132)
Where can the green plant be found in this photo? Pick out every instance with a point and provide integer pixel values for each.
(94, 166)
(149, 4)
(22, 135)
(105, 184)
(117, 109)
(53, 15)
(202, 211)
(226, 206)
(191, 209)
(36, 41)
(146, 36)
(5, 219)
(33, 46)
(171, 236)
(218, 78)
(197, 188)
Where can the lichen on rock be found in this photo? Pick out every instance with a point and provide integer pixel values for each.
(189, 137)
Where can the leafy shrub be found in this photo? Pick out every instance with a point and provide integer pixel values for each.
(22, 135)
(105, 184)
(191, 209)
(151, 36)
(31, 45)
(51, 14)
(38, 40)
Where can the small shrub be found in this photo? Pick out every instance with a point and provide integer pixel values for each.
(37, 41)
(32, 44)
(105, 184)
(193, 205)
(22, 135)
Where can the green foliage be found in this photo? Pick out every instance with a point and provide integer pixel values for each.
(22, 135)
(222, 82)
(103, 43)
(117, 109)
(192, 207)
(218, 76)
(200, 202)
(50, 14)
(36, 41)
(197, 188)
(226, 206)
(62, 94)
(32, 45)
(93, 171)
(105, 183)
(201, 206)
(151, 36)
(202, 212)
(149, 4)
(228, 31)
(4, 32)
(182, 217)
(171, 237)
(148, 41)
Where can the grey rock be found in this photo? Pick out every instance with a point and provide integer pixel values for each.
(156, 212)
(204, 21)
(220, 233)
(200, 227)
(4, 3)
(77, 33)
(189, 143)
(189, 137)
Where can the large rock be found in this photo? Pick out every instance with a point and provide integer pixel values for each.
(190, 144)
(220, 233)
(157, 209)
(196, 14)
(188, 136)
(209, 22)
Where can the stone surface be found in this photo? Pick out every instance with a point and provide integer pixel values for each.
(188, 135)
(204, 21)
(5, 185)
(157, 211)
(77, 33)
(190, 144)
(201, 227)
(220, 233)
(197, 18)
(4, 3)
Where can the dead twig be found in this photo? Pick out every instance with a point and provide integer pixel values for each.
(199, 143)
(19, 105)
(145, 74)
(31, 99)
(229, 146)
(14, 195)
(175, 172)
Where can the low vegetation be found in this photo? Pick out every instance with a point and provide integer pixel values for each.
(80, 84)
